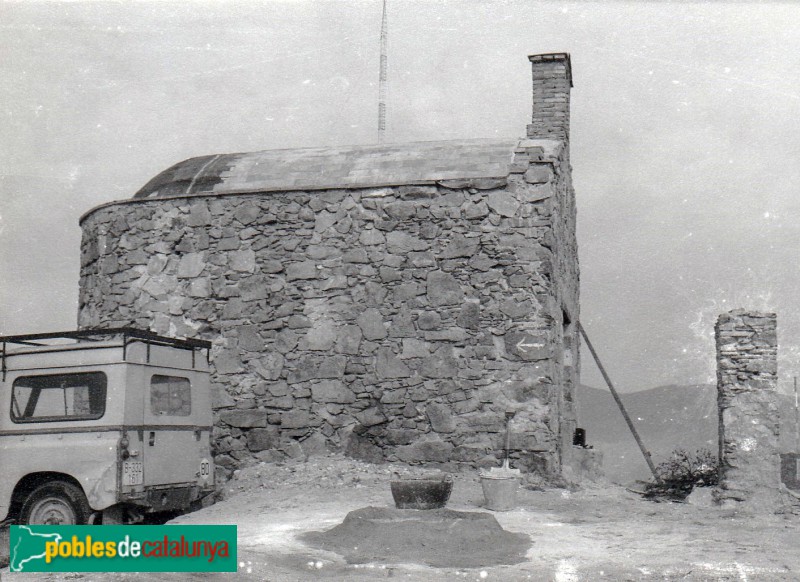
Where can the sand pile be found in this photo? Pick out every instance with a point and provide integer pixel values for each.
(442, 538)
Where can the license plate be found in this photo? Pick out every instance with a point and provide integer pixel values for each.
(132, 473)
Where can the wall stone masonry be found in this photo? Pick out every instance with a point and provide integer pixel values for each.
(747, 368)
(396, 320)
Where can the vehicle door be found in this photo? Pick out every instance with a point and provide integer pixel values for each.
(176, 428)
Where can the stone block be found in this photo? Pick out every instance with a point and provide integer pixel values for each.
(517, 309)
(406, 291)
(323, 221)
(191, 265)
(400, 436)
(538, 174)
(298, 419)
(372, 324)
(282, 403)
(460, 246)
(397, 396)
(470, 315)
(440, 365)
(453, 334)
(199, 288)
(348, 339)
(247, 213)
(371, 237)
(479, 210)
(528, 346)
(414, 348)
(421, 260)
(242, 261)
(322, 335)
(335, 282)
(301, 271)
(388, 366)
(371, 416)
(332, 391)
(429, 321)
(389, 275)
(220, 397)
(244, 418)
(503, 203)
(401, 210)
(402, 243)
(488, 183)
(482, 263)
(402, 324)
(261, 439)
(269, 366)
(254, 288)
(443, 289)
(230, 243)
(315, 445)
(310, 368)
(298, 322)
(249, 338)
(271, 266)
(226, 361)
(472, 453)
(156, 264)
(440, 418)
(355, 256)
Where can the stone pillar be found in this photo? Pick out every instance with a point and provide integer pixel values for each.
(552, 80)
(747, 379)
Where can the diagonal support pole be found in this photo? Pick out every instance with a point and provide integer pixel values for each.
(627, 418)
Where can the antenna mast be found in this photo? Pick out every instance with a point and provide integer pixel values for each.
(382, 78)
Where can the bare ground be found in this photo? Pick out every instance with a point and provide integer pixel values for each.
(601, 532)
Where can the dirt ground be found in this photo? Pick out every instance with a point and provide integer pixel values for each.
(601, 532)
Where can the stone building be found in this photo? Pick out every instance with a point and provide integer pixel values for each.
(392, 301)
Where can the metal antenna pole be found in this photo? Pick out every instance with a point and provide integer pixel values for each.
(796, 419)
(639, 442)
(383, 78)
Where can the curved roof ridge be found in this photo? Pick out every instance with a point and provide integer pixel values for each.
(333, 167)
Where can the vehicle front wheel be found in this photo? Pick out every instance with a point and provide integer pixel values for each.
(56, 503)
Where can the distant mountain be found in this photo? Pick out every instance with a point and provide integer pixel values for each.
(667, 418)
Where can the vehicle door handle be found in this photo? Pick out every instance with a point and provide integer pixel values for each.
(152, 438)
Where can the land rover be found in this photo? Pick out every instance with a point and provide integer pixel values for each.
(103, 426)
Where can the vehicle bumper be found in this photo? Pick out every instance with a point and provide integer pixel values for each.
(170, 498)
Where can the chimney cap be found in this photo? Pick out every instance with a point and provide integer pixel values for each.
(554, 57)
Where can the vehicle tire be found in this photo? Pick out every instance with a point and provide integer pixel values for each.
(56, 503)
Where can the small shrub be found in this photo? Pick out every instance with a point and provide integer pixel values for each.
(682, 473)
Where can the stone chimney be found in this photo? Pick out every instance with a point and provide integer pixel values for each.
(552, 80)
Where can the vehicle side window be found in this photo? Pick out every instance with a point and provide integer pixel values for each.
(170, 396)
(79, 396)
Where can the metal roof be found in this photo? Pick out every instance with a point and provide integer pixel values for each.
(339, 167)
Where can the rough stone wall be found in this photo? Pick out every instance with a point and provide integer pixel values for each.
(397, 323)
(747, 379)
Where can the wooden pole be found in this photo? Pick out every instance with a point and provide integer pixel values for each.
(627, 418)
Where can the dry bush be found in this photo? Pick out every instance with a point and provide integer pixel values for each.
(682, 473)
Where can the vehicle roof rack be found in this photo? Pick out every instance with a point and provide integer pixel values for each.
(127, 333)
(88, 334)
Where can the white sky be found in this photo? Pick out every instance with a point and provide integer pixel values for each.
(685, 140)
